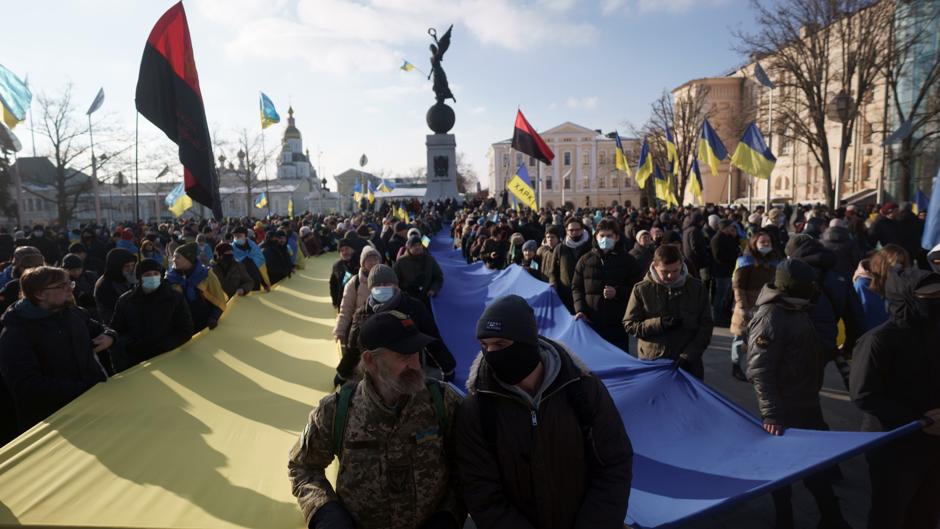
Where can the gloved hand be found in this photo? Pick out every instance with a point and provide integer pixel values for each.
(332, 516)
(670, 322)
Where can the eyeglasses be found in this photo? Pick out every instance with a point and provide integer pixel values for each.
(67, 286)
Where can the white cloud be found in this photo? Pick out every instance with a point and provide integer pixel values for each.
(674, 6)
(611, 6)
(478, 110)
(584, 102)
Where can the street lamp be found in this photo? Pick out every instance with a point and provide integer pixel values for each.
(842, 109)
(323, 192)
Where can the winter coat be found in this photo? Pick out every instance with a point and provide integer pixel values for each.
(233, 276)
(355, 294)
(543, 473)
(643, 255)
(340, 270)
(278, 261)
(402, 302)
(564, 259)
(46, 358)
(112, 283)
(689, 303)
(419, 274)
(883, 231)
(847, 251)
(695, 246)
(47, 247)
(896, 366)
(785, 359)
(750, 276)
(150, 324)
(725, 250)
(597, 269)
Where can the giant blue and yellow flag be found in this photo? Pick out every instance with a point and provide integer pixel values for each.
(695, 181)
(269, 114)
(710, 147)
(644, 167)
(261, 201)
(672, 154)
(520, 185)
(15, 97)
(620, 156)
(752, 155)
(178, 201)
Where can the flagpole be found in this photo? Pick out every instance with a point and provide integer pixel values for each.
(19, 190)
(770, 143)
(136, 169)
(94, 173)
(32, 123)
(264, 162)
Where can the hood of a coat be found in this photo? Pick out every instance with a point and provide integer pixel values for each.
(813, 253)
(770, 295)
(904, 308)
(837, 234)
(114, 264)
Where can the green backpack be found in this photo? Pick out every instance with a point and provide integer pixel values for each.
(344, 400)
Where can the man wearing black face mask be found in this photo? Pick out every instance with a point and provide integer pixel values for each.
(232, 275)
(563, 458)
(895, 380)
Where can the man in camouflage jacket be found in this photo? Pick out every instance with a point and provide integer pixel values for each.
(394, 467)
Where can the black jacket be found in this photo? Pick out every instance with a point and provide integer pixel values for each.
(418, 274)
(542, 474)
(340, 269)
(440, 354)
(848, 252)
(725, 250)
(151, 324)
(561, 265)
(895, 374)
(883, 231)
(785, 359)
(277, 261)
(694, 244)
(112, 283)
(643, 256)
(594, 271)
(46, 358)
(47, 247)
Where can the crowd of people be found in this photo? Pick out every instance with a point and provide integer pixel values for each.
(537, 441)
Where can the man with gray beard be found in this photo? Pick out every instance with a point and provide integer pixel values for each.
(392, 432)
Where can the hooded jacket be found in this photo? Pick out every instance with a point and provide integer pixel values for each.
(847, 251)
(541, 475)
(895, 374)
(688, 304)
(112, 283)
(46, 358)
(695, 246)
(785, 358)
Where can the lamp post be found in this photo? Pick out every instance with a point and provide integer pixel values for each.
(842, 109)
(323, 191)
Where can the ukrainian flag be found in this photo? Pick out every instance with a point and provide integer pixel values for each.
(385, 186)
(921, 202)
(261, 201)
(620, 155)
(371, 194)
(663, 189)
(644, 167)
(672, 154)
(178, 201)
(407, 66)
(15, 97)
(696, 182)
(710, 147)
(752, 155)
(402, 214)
(269, 115)
(520, 185)
(290, 207)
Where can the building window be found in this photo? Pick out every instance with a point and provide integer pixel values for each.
(602, 157)
(548, 184)
(567, 158)
(531, 161)
(505, 159)
(602, 182)
(518, 159)
(567, 182)
(585, 158)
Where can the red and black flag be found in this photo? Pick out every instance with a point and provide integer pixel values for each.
(168, 95)
(526, 140)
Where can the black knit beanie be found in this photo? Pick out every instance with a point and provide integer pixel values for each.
(509, 317)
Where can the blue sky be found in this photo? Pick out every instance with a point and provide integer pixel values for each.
(597, 63)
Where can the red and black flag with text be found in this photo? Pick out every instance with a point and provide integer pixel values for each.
(168, 95)
(526, 140)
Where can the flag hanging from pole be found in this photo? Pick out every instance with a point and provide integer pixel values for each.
(527, 141)
(696, 182)
(261, 201)
(357, 192)
(620, 156)
(520, 185)
(178, 201)
(752, 155)
(269, 115)
(762, 76)
(672, 154)
(168, 95)
(15, 97)
(96, 104)
(407, 66)
(290, 207)
(644, 167)
(710, 147)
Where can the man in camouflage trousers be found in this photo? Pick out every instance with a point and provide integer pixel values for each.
(392, 433)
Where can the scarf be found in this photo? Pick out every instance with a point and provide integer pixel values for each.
(189, 283)
(578, 243)
(678, 283)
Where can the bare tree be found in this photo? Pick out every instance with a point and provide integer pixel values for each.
(820, 52)
(248, 160)
(466, 175)
(683, 115)
(913, 89)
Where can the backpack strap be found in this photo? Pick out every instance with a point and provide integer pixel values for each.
(343, 400)
(437, 399)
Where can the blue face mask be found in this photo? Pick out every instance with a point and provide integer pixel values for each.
(150, 283)
(606, 243)
(382, 294)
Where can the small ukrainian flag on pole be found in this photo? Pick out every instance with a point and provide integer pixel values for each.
(261, 201)
(269, 114)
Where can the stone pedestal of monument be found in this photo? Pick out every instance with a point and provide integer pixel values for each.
(442, 154)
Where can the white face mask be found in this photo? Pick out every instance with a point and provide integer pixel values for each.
(765, 249)
(240, 242)
(606, 243)
(150, 283)
(382, 294)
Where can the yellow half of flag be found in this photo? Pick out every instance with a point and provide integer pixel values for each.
(621, 161)
(181, 205)
(522, 191)
(8, 118)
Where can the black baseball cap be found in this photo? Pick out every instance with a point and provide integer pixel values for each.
(392, 330)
